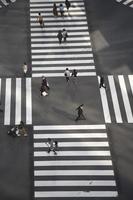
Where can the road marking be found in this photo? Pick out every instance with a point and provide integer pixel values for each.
(18, 101)
(50, 4)
(71, 135)
(115, 99)
(76, 194)
(62, 68)
(73, 153)
(68, 18)
(74, 183)
(61, 50)
(62, 74)
(58, 62)
(88, 55)
(105, 104)
(7, 102)
(57, 24)
(58, 45)
(28, 101)
(74, 144)
(69, 127)
(70, 39)
(73, 173)
(127, 1)
(75, 28)
(125, 99)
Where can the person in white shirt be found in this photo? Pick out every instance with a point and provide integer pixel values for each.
(67, 74)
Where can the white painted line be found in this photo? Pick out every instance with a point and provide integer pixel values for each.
(118, 0)
(18, 101)
(28, 101)
(50, 4)
(72, 18)
(58, 45)
(115, 99)
(75, 28)
(63, 68)
(105, 104)
(75, 13)
(50, 10)
(73, 173)
(90, 183)
(44, 34)
(130, 77)
(70, 39)
(70, 135)
(57, 24)
(73, 163)
(125, 99)
(72, 153)
(78, 194)
(61, 50)
(89, 55)
(127, 2)
(74, 144)
(69, 127)
(58, 62)
(7, 102)
(62, 74)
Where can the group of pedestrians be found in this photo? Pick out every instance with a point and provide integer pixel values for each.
(62, 34)
(69, 74)
(61, 9)
(52, 145)
(19, 130)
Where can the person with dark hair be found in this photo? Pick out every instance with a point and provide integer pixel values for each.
(55, 12)
(40, 20)
(25, 68)
(67, 74)
(68, 4)
(51, 146)
(102, 82)
(59, 36)
(22, 129)
(45, 83)
(80, 113)
(64, 34)
(61, 8)
(74, 73)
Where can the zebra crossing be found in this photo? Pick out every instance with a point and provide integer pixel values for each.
(49, 58)
(16, 97)
(82, 167)
(117, 100)
(126, 2)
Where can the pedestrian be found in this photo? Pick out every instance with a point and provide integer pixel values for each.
(40, 20)
(102, 82)
(45, 83)
(22, 130)
(43, 91)
(25, 68)
(64, 34)
(67, 3)
(56, 144)
(80, 113)
(61, 8)
(74, 73)
(14, 131)
(51, 146)
(59, 36)
(55, 12)
(67, 74)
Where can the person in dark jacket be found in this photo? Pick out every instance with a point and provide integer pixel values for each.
(80, 113)
(67, 3)
(74, 73)
(64, 34)
(59, 36)
(55, 12)
(102, 82)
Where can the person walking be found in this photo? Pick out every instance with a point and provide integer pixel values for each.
(67, 74)
(59, 36)
(61, 8)
(80, 113)
(102, 82)
(25, 68)
(55, 12)
(45, 83)
(22, 130)
(40, 20)
(68, 4)
(64, 34)
(51, 146)
(74, 73)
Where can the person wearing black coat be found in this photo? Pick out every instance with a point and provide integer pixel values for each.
(67, 3)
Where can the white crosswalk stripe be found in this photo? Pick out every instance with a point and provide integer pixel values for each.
(16, 97)
(117, 100)
(81, 148)
(126, 2)
(49, 58)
